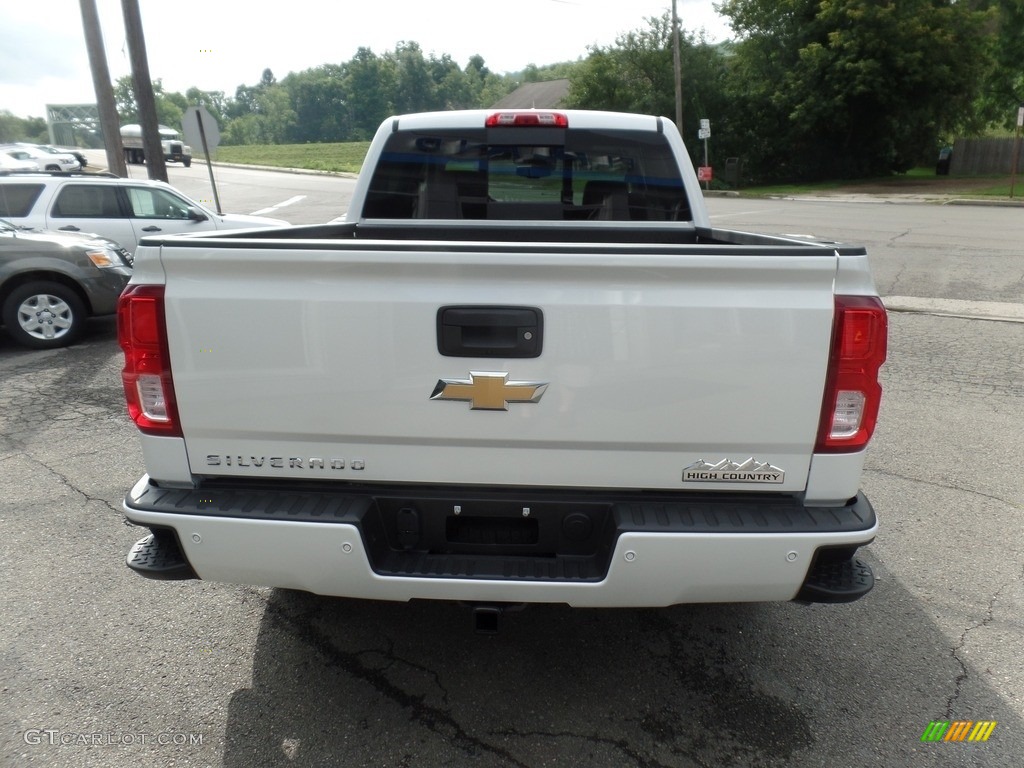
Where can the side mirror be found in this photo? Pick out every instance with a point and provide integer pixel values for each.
(196, 215)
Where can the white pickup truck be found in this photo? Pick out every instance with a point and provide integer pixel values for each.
(523, 369)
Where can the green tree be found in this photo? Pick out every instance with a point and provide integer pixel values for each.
(369, 81)
(414, 88)
(476, 68)
(850, 88)
(320, 102)
(13, 128)
(493, 89)
(247, 129)
(1003, 87)
(214, 102)
(560, 71)
(636, 75)
(169, 106)
(452, 87)
(243, 103)
(348, 101)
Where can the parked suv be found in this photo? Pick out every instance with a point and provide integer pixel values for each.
(49, 149)
(44, 160)
(122, 210)
(51, 283)
(9, 164)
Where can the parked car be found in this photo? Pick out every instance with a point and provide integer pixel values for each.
(45, 161)
(51, 283)
(52, 150)
(122, 210)
(10, 164)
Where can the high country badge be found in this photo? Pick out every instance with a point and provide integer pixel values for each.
(726, 471)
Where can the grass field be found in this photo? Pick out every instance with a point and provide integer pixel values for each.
(348, 158)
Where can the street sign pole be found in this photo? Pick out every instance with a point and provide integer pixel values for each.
(707, 184)
(705, 134)
(206, 154)
(207, 137)
(1016, 149)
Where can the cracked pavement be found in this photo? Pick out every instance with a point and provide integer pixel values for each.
(276, 678)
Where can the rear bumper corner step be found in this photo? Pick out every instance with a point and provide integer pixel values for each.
(159, 556)
(836, 582)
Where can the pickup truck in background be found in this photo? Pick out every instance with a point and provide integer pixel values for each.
(523, 369)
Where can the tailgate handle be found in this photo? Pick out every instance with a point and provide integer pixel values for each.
(489, 331)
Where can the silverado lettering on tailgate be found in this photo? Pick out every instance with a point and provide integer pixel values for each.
(281, 462)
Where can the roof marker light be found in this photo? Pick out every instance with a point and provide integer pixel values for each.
(527, 119)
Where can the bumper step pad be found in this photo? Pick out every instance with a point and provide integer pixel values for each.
(159, 556)
(836, 582)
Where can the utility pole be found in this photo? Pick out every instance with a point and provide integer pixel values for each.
(677, 69)
(109, 124)
(143, 86)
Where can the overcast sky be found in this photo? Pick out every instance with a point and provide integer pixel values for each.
(221, 44)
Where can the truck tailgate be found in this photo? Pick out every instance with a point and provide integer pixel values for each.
(654, 360)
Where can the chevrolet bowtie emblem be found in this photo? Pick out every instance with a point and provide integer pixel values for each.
(486, 391)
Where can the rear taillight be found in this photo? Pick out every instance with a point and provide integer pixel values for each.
(849, 409)
(142, 333)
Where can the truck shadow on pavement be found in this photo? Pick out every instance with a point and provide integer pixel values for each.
(359, 683)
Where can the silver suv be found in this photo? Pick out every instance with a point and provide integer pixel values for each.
(51, 283)
(122, 210)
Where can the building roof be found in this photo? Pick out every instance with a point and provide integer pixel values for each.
(542, 95)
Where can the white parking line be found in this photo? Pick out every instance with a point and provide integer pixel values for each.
(289, 201)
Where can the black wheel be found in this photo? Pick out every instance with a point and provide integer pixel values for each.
(187, 162)
(44, 315)
(53, 167)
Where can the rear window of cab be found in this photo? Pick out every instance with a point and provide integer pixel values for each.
(528, 173)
